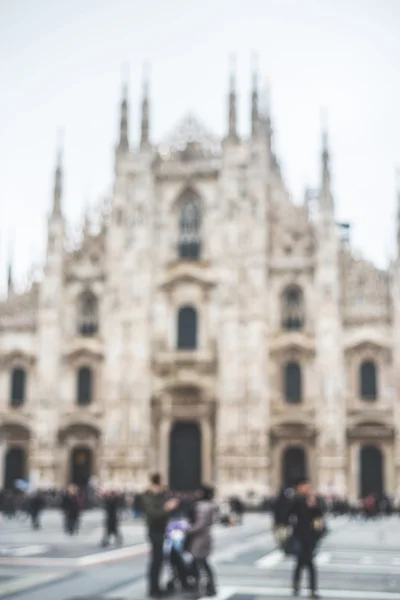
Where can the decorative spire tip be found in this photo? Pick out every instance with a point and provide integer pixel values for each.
(125, 79)
(324, 129)
(232, 72)
(255, 65)
(60, 147)
(146, 77)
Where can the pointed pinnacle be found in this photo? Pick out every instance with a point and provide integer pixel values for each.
(232, 73)
(146, 78)
(59, 148)
(324, 129)
(255, 63)
(125, 80)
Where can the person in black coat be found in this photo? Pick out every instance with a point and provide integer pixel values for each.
(112, 504)
(281, 508)
(157, 509)
(36, 506)
(306, 516)
(71, 508)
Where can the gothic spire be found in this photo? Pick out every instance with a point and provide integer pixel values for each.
(326, 193)
(265, 110)
(10, 279)
(123, 144)
(232, 132)
(57, 195)
(145, 122)
(254, 96)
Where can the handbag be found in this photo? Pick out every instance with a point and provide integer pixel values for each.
(291, 546)
(281, 533)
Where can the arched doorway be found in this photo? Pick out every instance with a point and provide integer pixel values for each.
(81, 465)
(185, 465)
(294, 465)
(371, 471)
(15, 466)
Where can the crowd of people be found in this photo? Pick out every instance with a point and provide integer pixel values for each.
(298, 516)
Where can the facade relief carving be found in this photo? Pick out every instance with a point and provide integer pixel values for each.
(216, 297)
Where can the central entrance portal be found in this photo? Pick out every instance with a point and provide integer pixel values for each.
(371, 471)
(81, 466)
(185, 466)
(294, 466)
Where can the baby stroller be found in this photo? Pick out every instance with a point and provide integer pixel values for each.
(183, 573)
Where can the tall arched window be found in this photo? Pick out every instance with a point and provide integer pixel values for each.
(292, 383)
(187, 328)
(368, 380)
(190, 230)
(88, 315)
(293, 309)
(17, 387)
(84, 392)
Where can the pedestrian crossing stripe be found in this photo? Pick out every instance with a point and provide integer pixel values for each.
(26, 583)
(24, 550)
(224, 594)
(271, 559)
(227, 593)
(277, 556)
(342, 562)
(238, 548)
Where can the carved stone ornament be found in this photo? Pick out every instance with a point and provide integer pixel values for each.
(190, 140)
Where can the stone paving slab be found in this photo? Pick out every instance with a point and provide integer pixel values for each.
(17, 582)
(359, 574)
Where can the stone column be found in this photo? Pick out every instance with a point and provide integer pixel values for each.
(163, 447)
(206, 446)
(353, 471)
(3, 451)
(275, 466)
(64, 463)
(309, 450)
(388, 469)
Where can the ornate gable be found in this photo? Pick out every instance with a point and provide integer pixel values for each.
(292, 234)
(365, 290)
(18, 312)
(190, 140)
(86, 261)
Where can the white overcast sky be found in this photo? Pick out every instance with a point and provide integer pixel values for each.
(60, 67)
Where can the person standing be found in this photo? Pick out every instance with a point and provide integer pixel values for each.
(200, 538)
(137, 506)
(157, 510)
(280, 513)
(307, 525)
(37, 504)
(71, 507)
(112, 505)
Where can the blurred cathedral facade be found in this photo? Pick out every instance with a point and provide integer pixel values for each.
(208, 328)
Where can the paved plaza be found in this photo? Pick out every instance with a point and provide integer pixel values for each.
(358, 561)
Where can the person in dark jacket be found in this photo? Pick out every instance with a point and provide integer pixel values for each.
(237, 507)
(112, 504)
(281, 508)
(137, 506)
(157, 511)
(280, 512)
(71, 507)
(306, 516)
(36, 506)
